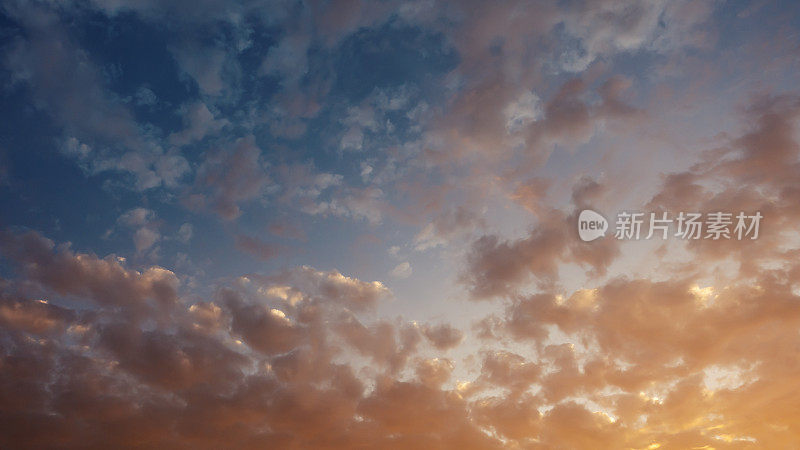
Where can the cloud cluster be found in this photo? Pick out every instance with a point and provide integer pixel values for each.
(498, 267)
(100, 131)
(487, 156)
(297, 359)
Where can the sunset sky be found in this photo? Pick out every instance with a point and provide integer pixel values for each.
(354, 224)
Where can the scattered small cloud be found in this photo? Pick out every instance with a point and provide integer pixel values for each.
(402, 270)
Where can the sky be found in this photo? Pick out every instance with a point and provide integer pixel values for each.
(355, 224)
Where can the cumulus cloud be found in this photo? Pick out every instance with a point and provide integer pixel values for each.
(197, 364)
(625, 363)
(333, 286)
(34, 317)
(101, 280)
(443, 336)
(755, 171)
(497, 267)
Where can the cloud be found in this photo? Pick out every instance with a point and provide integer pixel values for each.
(500, 153)
(145, 97)
(205, 65)
(59, 270)
(168, 377)
(402, 270)
(609, 27)
(509, 370)
(496, 267)
(362, 204)
(144, 222)
(137, 217)
(199, 122)
(388, 346)
(287, 230)
(267, 330)
(754, 171)
(66, 82)
(99, 130)
(625, 362)
(434, 372)
(229, 176)
(448, 225)
(333, 286)
(443, 336)
(185, 232)
(35, 317)
(256, 247)
(145, 238)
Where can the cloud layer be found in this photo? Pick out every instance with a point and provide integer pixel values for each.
(353, 225)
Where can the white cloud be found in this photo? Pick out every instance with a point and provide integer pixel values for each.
(199, 122)
(402, 270)
(144, 222)
(185, 232)
(144, 238)
(521, 112)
